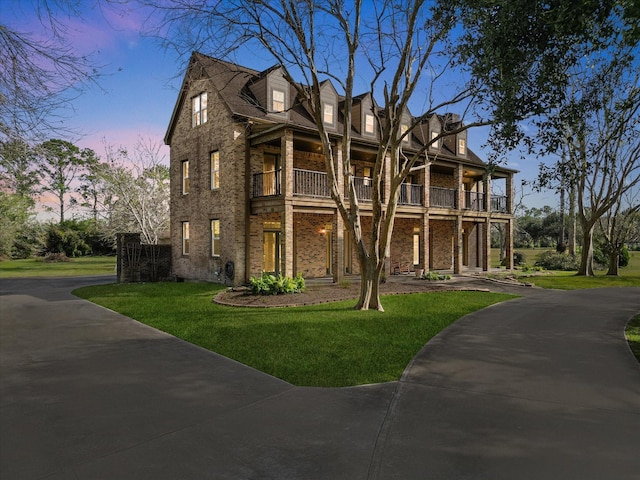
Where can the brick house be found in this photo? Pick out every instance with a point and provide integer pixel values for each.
(249, 191)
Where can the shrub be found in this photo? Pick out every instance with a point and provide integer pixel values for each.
(557, 261)
(435, 277)
(518, 259)
(624, 258)
(269, 284)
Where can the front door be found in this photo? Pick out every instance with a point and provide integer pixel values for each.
(271, 255)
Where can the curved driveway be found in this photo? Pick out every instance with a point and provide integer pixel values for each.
(541, 387)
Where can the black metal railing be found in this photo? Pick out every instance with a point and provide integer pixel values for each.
(443, 197)
(474, 201)
(310, 183)
(266, 184)
(499, 203)
(410, 194)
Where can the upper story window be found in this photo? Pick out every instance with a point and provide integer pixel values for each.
(185, 238)
(199, 109)
(277, 101)
(366, 173)
(215, 170)
(404, 128)
(436, 143)
(215, 238)
(369, 123)
(328, 114)
(462, 146)
(185, 177)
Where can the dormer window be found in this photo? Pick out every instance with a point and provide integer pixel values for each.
(436, 143)
(404, 128)
(199, 109)
(462, 146)
(369, 124)
(327, 114)
(277, 101)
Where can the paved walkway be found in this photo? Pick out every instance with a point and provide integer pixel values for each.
(542, 387)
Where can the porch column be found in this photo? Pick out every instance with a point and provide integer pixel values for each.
(458, 176)
(457, 245)
(426, 194)
(486, 187)
(424, 238)
(286, 155)
(509, 244)
(287, 251)
(509, 193)
(486, 245)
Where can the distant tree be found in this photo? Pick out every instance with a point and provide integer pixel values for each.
(15, 213)
(18, 168)
(137, 185)
(61, 163)
(604, 162)
(621, 226)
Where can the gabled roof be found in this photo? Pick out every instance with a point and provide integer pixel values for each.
(233, 84)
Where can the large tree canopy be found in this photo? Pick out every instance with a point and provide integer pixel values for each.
(493, 62)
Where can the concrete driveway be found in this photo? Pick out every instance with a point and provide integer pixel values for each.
(542, 387)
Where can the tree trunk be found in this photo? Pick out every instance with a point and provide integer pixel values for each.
(370, 285)
(586, 259)
(61, 209)
(614, 263)
(572, 220)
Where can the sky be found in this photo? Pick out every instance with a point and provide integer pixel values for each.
(139, 81)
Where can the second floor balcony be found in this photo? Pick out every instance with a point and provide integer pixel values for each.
(314, 184)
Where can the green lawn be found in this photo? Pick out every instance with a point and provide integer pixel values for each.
(629, 277)
(633, 335)
(328, 345)
(75, 266)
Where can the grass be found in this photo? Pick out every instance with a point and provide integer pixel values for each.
(629, 277)
(327, 345)
(633, 335)
(75, 266)
(32, 267)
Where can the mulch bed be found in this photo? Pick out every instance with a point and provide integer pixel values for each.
(314, 294)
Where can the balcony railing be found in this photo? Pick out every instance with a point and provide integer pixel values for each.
(410, 194)
(499, 203)
(443, 197)
(310, 183)
(266, 184)
(363, 188)
(474, 201)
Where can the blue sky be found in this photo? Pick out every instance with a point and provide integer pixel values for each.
(139, 81)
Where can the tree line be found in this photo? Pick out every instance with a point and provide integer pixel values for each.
(121, 192)
(560, 231)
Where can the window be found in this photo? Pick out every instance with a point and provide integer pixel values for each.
(403, 130)
(416, 246)
(277, 101)
(215, 238)
(366, 173)
(462, 146)
(327, 114)
(185, 238)
(369, 124)
(215, 170)
(185, 177)
(199, 109)
(435, 144)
